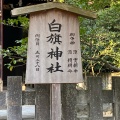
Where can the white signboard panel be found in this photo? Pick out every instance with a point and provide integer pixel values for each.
(54, 54)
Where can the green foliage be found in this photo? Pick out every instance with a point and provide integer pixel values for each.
(101, 41)
(16, 54)
(94, 5)
(91, 4)
(20, 21)
(100, 38)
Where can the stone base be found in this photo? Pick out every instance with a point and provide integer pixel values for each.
(22, 119)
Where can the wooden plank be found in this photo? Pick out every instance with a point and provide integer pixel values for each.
(48, 6)
(53, 38)
(116, 88)
(14, 98)
(1, 5)
(1, 82)
(1, 39)
(56, 102)
(42, 104)
(95, 94)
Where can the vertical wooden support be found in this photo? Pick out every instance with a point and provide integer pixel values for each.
(42, 102)
(56, 102)
(1, 38)
(1, 85)
(14, 98)
(95, 98)
(116, 87)
(69, 102)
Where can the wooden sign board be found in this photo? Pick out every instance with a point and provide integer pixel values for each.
(54, 54)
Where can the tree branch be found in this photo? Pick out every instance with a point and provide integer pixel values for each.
(103, 61)
(85, 43)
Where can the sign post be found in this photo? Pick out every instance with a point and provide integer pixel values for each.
(56, 102)
(53, 48)
(54, 54)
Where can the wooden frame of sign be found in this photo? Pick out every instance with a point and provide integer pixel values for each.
(53, 48)
(54, 54)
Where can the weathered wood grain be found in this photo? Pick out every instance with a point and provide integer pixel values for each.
(1, 39)
(48, 6)
(52, 70)
(56, 102)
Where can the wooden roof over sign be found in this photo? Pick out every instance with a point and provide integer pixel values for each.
(53, 5)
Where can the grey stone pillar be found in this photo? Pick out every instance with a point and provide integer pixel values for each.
(116, 88)
(42, 102)
(14, 98)
(69, 102)
(3, 100)
(95, 98)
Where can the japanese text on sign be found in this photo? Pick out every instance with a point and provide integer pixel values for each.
(37, 53)
(72, 62)
(55, 38)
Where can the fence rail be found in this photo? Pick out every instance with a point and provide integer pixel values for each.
(91, 104)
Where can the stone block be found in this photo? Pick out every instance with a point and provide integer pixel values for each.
(3, 100)
(28, 97)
